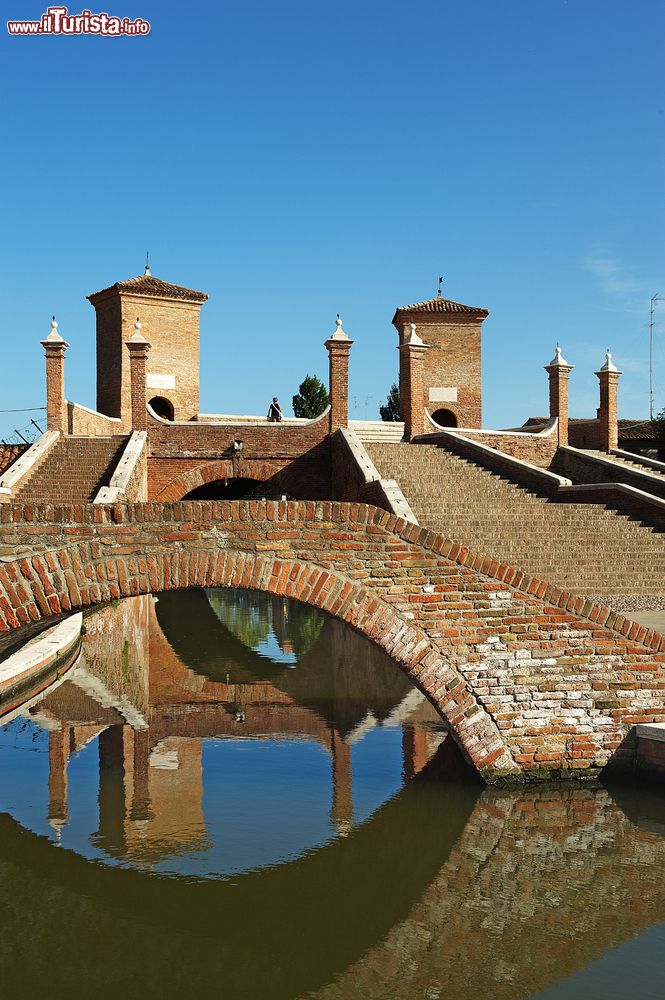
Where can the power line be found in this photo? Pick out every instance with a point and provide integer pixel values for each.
(25, 409)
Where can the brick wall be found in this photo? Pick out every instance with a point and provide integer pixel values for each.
(297, 458)
(538, 449)
(533, 681)
(84, 422)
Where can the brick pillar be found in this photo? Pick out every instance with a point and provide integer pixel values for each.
(138, 348)
(608, 376)
(559, 371)
(338, 346)
(411, 362)
(56, 405)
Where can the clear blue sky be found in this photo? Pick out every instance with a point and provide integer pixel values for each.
(296, 160)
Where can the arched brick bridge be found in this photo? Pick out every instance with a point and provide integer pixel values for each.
(534, 682)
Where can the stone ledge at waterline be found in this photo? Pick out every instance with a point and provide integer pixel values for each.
(37, 659)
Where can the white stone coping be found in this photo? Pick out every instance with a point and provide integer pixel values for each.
(391, 490)
(23, 465)
(398, 503)
(651, 731)
(372, 425)
(233, 420)
(652, 463)
(40, 652)
(518, 464)
(630, 491)
(95, 413)
(545, 431)
(369, 471)
(606, 461)
(124, 470)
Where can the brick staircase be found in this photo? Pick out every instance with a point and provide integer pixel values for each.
(74, 469)
(585, 548)
(628, 463)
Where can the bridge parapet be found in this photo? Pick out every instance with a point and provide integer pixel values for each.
(534, 682)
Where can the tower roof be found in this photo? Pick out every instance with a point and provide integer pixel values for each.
(147, 284)
(440, 305)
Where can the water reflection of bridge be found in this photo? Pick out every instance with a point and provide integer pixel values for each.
(154, 680)
(457, 893)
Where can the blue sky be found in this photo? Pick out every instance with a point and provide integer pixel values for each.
(297, 160)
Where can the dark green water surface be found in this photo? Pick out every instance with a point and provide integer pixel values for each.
(231, 795)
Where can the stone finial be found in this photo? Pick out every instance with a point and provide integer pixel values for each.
(558, 361)
(54, 337)
(339, 333)
(609, 365)
(137, 337)
(413, 338)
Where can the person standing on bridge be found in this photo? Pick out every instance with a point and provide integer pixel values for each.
(275, 411)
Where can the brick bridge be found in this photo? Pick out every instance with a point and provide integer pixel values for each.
(533, 681)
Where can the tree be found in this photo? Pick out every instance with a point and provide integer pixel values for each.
(311, 399)
(390, 409)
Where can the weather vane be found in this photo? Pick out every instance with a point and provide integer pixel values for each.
(440, 283)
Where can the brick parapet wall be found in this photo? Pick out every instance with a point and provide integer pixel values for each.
(538, 449)
(518, 470)
(533, 681)
(185, 456)
(584, 434)
(88, 423)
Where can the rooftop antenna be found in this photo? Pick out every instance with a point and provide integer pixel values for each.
(439, 293)
(652, 305)
(147, 262)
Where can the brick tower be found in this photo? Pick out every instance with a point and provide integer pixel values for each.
(451, 367)
(169, 316)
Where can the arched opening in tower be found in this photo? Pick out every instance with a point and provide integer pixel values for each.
(444, 418)
(163, 407)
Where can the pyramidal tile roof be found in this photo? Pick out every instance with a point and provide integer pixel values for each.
(147, 284)
(441, 305)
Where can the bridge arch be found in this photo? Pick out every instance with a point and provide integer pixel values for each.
(531, 679)
(426, 666)
(209, 472)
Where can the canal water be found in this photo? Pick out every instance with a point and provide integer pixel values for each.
(232, 795)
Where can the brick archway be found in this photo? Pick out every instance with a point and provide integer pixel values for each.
(351, 602)
(209, 472)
